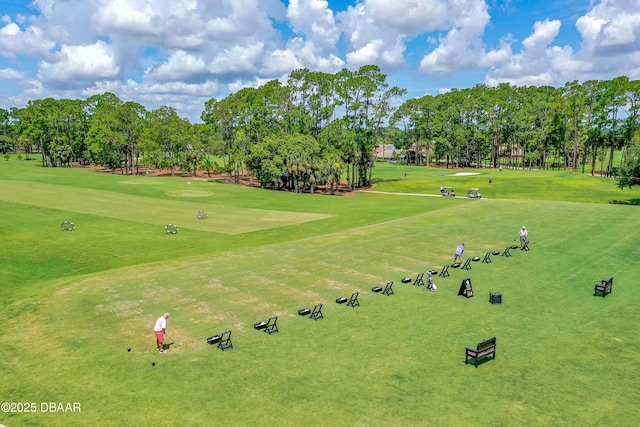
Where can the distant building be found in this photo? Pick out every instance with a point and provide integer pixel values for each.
(389, 152)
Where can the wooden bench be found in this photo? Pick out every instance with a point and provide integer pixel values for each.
(604, 287)
(482, 351)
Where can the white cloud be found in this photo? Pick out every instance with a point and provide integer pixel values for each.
(314, 20)
(610, 33)
(206, 89)
(239, 84)
(463, 47)
(414, 17)
(378, 51)
(85, 63)
(31, 41)
(367, 54)
(280, 61)
(311, 57)
(34, 89)
(11, 74)
(145, 18)
(65, 22)
(238, 59)
(497, 56)
(377, 31)
(533, 65)
(180, 65)
(368, 41)
(543, 33)
(612, 25)
(116, 87)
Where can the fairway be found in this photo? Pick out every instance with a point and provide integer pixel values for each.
(226, 220)
(393, 361)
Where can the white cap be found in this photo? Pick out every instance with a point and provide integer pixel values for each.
(524, 228)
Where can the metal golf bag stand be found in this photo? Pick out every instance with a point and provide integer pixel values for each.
(444, 272)
(465, 289)
(225, 340)
(388, 289)
(353, 300)
(316, 314)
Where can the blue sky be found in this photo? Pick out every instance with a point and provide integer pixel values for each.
(183, 52)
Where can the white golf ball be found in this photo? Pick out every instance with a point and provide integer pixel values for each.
(189, 182)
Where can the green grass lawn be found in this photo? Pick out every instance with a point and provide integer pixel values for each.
(508, 184)
(73, 303)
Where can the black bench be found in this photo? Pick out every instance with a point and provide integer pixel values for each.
(604, 287)
(483, 350)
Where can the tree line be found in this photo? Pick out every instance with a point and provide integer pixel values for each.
(321, 128)
(568, 127)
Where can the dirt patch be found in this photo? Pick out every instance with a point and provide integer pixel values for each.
(188, 193)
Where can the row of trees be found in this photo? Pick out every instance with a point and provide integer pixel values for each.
(326, 124)
(102, 130)
(320, 127)
(570, 126)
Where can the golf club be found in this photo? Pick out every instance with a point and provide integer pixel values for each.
(173, 341)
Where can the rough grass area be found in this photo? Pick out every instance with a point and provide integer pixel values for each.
(395, 360)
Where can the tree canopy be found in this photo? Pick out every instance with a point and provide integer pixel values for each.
(319, 128)
(629, 175)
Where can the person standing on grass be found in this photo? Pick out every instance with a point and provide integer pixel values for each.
(160, 330)
(523, 236)
(459, 252)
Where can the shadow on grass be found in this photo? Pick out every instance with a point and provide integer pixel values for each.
(479, 362)
(635, 202)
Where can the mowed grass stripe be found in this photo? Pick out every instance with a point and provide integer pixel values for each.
(273, 277)
(221, 219)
